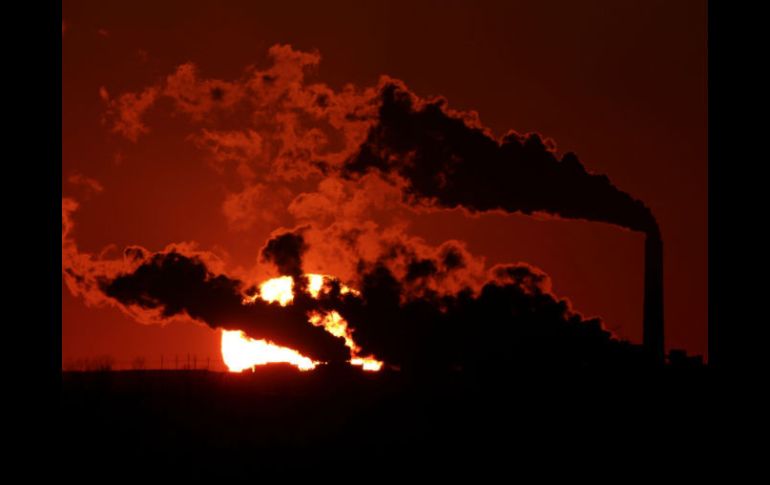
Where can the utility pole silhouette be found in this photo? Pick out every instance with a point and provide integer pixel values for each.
(653, 298)
(195, 361)
(176, 362)
(208, 361)
(161, 361)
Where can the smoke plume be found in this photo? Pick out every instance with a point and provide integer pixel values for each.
(453, 161)
(285, 250)
(174, 284)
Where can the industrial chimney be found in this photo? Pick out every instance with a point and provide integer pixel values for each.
(653, 296)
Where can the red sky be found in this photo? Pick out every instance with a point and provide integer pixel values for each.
(622, 84)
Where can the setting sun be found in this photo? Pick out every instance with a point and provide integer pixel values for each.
(241, 352)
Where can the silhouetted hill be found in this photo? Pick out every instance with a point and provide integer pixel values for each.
(194, 423)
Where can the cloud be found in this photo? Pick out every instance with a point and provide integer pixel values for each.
(80, 270)
(199, 97)
(255, 204)
(288, 128)
(84, 273)
(243, 148)
(89, 183)
(126, 111)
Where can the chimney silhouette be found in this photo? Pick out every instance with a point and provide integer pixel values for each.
(653, 296)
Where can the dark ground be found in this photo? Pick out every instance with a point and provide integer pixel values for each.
(347, 423)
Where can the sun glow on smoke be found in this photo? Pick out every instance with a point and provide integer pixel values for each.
(241, 352)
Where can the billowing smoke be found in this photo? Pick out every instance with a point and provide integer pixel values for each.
(453, 162)
(373, 153)
(285, 250)
(511, 321)
(181, 282)
(174, 284)
(412, 309)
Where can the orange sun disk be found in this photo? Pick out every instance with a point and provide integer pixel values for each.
(241, 352)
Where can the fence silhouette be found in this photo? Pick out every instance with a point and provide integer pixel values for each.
(163, 362)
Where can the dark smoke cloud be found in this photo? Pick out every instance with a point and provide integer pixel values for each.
(176, 284)
(285, 251)
(444, 158)
(512, 322)
(403, 313)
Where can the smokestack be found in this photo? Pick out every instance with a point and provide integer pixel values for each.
(653, 296)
